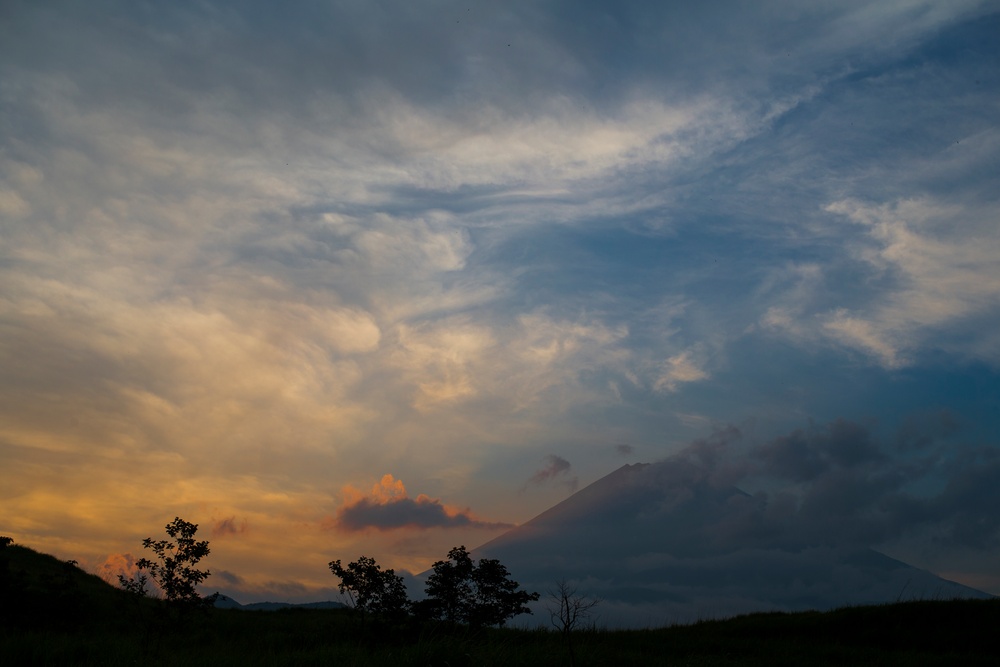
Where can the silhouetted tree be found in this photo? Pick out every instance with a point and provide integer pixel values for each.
(462, 591)
(497, 597)
(135, 585)
(567, 610)
(174, 570)
(449, 588)
(371, 589)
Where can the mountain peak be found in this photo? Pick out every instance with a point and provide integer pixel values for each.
(663, 543)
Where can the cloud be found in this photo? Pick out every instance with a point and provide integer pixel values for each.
(858, 333)
(557, 468)
(945, 274)
(679, 369)
(803, 456)
(228, 526)
(336, 239)
(920, 430)
(388, 507)
(838, 485)
(931, 268)
(229, 578)
(834, 485)
(117, 564)
(964, 512)
(918, 271)
(624, 450)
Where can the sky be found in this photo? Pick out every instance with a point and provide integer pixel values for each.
(383, 278)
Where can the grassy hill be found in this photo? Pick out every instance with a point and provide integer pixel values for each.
(53, 613)
(41, 590)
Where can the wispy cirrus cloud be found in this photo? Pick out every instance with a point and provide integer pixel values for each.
(937, 264)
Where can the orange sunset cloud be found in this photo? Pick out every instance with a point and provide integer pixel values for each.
(388, 507)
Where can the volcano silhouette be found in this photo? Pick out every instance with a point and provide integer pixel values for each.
(659, 545)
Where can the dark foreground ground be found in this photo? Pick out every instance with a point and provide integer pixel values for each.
(54, 614)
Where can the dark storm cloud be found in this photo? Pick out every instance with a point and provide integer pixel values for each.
(837, 485)
(965, 512)
(919, 431)
(420, 513)
(805, 455)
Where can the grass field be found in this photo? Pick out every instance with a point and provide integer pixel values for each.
(55, 614)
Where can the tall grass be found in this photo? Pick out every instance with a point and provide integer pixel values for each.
(909, 633)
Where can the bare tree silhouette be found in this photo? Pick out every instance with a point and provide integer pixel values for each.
(567, 610)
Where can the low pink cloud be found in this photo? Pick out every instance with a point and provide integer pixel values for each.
(388, 507)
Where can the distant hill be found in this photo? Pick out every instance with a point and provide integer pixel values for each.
(658, 548)
(38, 580)
(225, 602)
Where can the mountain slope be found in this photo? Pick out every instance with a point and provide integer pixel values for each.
(660, 545)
